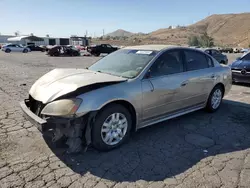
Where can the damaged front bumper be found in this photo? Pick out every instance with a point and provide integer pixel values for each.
(41, 124)
(76, 130)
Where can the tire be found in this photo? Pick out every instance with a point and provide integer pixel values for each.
(25, 51)
(7, 50)
(75, 54)
(210, 107)
(98, 136)
(97, 54)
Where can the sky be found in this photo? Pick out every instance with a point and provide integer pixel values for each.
(62, 18)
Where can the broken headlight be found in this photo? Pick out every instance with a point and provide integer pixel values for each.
(64, 107)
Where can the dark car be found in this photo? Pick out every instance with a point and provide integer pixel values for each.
(241, 69)
(101, 49)
(227, 50)
(216, 54)
(63, 51)
(36, 48)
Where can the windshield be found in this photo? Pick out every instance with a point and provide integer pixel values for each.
(245, 57)
(125, 63)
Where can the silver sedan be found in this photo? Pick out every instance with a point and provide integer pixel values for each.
(129, 89)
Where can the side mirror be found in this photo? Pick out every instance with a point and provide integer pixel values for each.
(238, 58)
(148, 74)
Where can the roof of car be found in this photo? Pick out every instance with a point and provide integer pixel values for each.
(157, 47)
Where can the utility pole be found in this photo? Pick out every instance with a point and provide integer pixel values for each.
(103, 32)
(86, 33)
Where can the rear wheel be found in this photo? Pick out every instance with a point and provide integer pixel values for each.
(7, 50)
(25, 51)
(215, 99)
(111, 128)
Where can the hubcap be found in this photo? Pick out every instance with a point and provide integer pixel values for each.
(216, 98)
(114, 129)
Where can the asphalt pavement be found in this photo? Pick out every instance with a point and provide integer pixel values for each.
(195, 150)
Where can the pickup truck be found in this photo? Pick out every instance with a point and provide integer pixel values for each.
(96, 50)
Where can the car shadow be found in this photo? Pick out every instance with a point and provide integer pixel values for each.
(169, 148)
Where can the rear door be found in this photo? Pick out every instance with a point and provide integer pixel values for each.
(200, 78)
(12, 47)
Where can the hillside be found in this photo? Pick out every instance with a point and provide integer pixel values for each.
(226, 29)
(120, 33)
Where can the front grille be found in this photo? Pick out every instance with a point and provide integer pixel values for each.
(36, 106)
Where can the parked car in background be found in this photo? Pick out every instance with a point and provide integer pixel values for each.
(15, 48)
(81, 47)
(236, 50)
(33, 47)
(221, 58)
(244, 50)
(68, 50)
(241, 69)
(226, 50)
(96, 50)
(129, 89)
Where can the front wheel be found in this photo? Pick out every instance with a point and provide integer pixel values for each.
(25, 51)
(97, 54)
(215, 99)
(111, 128)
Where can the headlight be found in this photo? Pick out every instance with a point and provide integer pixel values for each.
(64, 107)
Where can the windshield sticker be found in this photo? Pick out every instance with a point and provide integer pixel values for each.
(144, 52)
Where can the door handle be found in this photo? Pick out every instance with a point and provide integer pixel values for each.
(184, 83)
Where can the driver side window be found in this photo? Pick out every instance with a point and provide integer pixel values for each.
(169, 62)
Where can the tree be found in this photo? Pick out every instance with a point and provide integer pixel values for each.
(31, 34)
(193, 41)
(47, 35)
(107, 37)
(206, 41)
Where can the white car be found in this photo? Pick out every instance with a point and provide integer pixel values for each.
(15, 48)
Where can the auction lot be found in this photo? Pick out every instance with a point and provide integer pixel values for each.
(195, 150)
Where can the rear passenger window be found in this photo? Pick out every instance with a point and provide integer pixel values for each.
(195, 60)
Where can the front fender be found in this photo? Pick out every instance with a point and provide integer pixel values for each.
(97, 99)
(94, 101)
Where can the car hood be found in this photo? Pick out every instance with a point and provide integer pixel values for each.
(59, 82)
(241, 64)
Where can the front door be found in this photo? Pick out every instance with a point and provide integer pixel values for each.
(161, 87)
